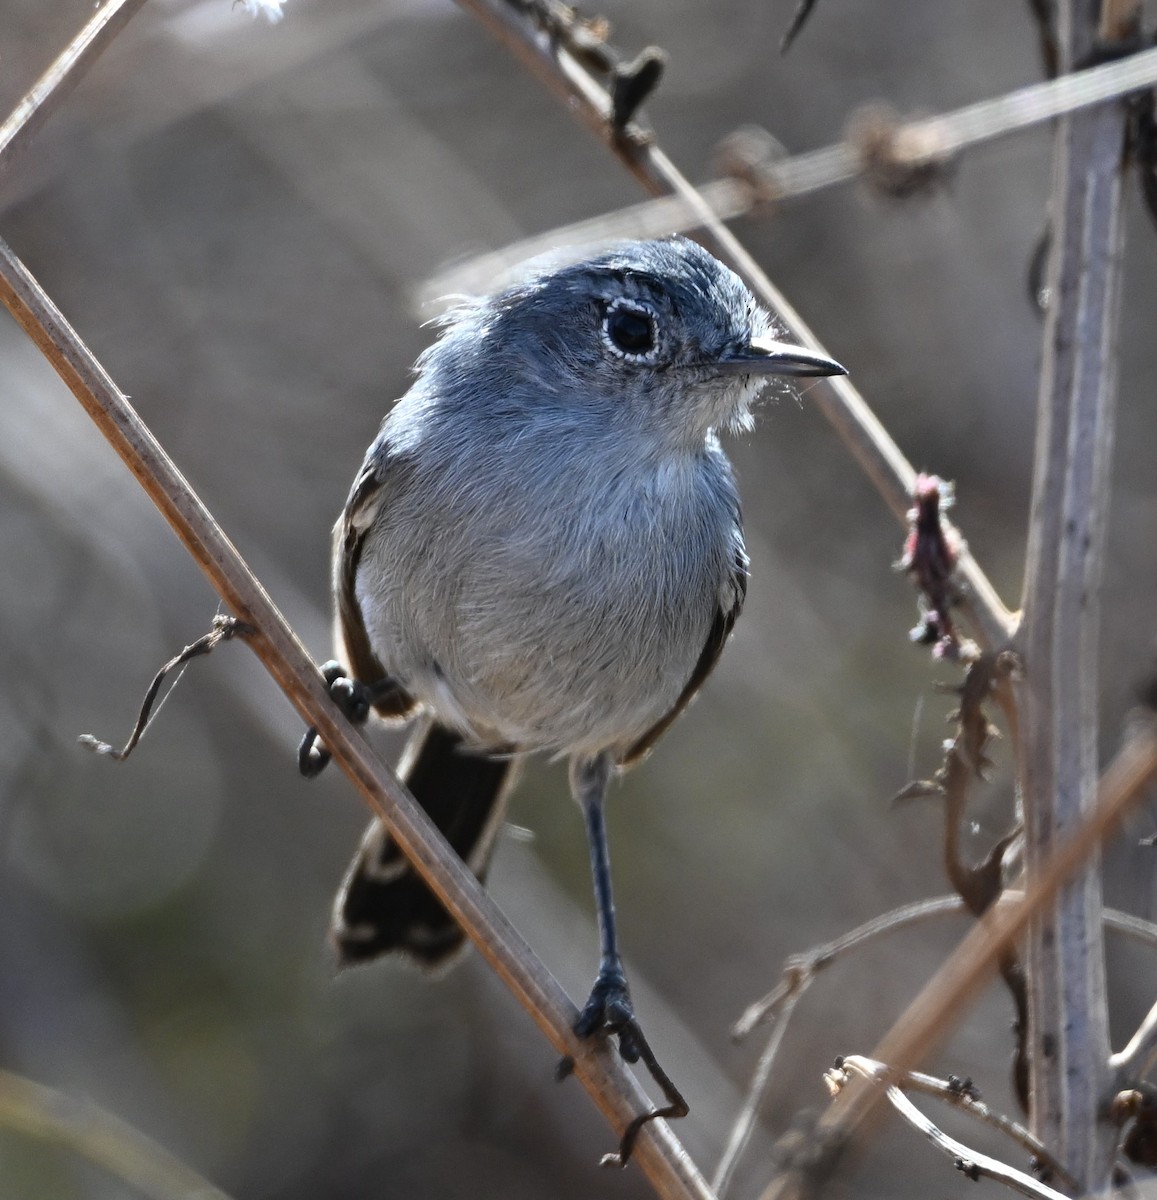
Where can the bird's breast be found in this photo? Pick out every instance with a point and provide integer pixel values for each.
(559, 606)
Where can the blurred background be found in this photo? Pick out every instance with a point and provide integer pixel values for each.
(235, 216)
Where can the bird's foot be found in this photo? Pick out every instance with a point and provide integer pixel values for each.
(609, 1008)
(352, 697)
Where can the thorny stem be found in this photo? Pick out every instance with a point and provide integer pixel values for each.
(1068, 1014)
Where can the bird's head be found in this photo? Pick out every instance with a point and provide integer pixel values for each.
(660, 334)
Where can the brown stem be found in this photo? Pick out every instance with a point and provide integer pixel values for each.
(63, 75)
(598, 1066)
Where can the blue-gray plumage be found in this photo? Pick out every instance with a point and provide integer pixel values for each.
(543, 552)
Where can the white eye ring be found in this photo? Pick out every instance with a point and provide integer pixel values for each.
(630, 330)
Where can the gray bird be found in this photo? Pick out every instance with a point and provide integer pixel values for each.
(543, 552)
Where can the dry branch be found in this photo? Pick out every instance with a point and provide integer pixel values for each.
(839, 401)
(971, 1162)
(597, 1065)
(1058, 697)
(63, 75)
(801, 970)
(744, 1124)
(760, 178)
(931, 1015)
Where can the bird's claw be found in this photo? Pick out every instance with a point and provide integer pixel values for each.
(609, 1008)
(352, 697)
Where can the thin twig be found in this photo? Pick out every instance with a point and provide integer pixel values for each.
(914, 145)
(1136, 1059)
(962, 1094)
(88, 1130)
(971, 1162)
(840, 402)
(598, 1067)
(800, 969)
(224, 629)
(727, 198)
(63, 75)
(1132, 925)
(744, 1124)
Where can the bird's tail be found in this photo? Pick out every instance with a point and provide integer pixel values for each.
(383, 906)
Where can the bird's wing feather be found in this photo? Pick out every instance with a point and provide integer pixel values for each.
(365, 499)
(730, 604)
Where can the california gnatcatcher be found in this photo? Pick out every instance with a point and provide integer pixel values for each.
(543, 552)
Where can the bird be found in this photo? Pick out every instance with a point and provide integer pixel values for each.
(543, 553)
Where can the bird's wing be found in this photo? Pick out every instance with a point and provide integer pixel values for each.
(731, 600)
(366, 496)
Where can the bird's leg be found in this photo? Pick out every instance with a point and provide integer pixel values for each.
(609, 1005)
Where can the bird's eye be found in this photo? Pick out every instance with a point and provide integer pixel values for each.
(630, 330)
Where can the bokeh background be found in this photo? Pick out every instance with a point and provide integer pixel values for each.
(236, 216)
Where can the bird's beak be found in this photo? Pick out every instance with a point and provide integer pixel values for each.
(762, 356)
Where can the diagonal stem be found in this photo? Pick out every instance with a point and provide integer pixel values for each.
(596, 1064)
(63, 75)
(839, 401)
